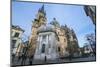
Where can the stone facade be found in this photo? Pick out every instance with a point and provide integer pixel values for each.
(47, 46)
(62, 41)
(16, 42)
(61, 38)
(38, 21)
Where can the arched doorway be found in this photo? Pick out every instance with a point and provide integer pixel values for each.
(43, 51)
(43, 48)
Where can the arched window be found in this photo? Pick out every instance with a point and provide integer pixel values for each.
(43, 48)
(58, 39)
(64, 40)
(58, 49)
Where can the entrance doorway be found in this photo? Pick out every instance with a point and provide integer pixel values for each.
(43, 48)
(43, 51)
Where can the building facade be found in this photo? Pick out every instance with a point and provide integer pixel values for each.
(51, 40)
(46, 43)
(91, 12)
(16, 42)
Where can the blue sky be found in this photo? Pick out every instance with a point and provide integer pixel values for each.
(72, 15)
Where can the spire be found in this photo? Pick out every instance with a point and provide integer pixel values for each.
(42, 9)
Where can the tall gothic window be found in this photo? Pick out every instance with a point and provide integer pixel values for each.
(64, 40)
(43, 48)
(58, 49)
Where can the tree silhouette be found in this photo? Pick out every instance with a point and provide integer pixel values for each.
(91, 39)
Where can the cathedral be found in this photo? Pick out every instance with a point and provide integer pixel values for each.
(51, 40)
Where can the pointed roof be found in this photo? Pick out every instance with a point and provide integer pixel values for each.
(16, 27)
(42, 9)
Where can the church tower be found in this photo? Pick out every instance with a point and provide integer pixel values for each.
(40, 18)
(36, 23)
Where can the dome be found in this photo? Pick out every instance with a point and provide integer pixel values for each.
(46, 28)
(55, 22)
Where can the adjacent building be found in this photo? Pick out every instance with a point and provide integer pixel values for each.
(91, 12)
(16, 42)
